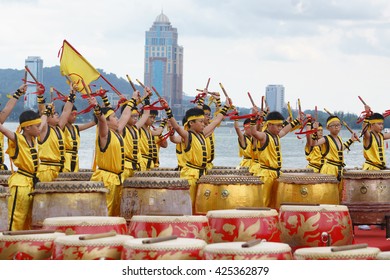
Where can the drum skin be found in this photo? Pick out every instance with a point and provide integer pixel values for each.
(143, 196)
(234, 251)
(383, 255)
(4, 195)
(243, 225)
(71, 248)
(307, 188)
(177, 249)
(163, 226)
(86, 224)
(303, 226)
(366, 186)
(28, 246)
(325, 253)
(68, 198)
(218, 192)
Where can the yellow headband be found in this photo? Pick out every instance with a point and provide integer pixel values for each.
(192, 118)
(275, 122)
(31, 122)
(109, 112)
(332, 119)
(134, 111)
(375, 121)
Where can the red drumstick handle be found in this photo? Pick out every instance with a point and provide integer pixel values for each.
(251, 99)
(361, 99)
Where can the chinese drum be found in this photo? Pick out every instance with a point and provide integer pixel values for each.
(230, 167)
(74, 176)
(176, 249)
(307, 188)
(218, 192)
(296, 170)
(235, 172)
(315, 226)
(70, 247)
(4, 179)
(366, 193)
(5, 172)
(86, 224)
(162, 226)
(161, 174)
(234, 251)
(4, 195)
(383, 255)
(325, 253)
(27, 246)
(164, 169)
(243, 225)
(68, 198)
(144, 196)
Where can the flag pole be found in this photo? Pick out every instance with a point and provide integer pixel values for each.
(112, 87)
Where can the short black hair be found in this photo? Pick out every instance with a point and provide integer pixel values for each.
(376, 116)
(104, 110)
(206, 107)
(275, 116)
(28, 115)
(248, 120)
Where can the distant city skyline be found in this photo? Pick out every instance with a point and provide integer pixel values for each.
(35, 65)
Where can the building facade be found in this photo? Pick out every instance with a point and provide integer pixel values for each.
(35, 65)
(274, 95)
(164, 62)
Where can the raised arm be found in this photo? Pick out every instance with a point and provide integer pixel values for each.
(103, 129)
(172, 122)
(125, 116)
(68, 107)
(241, 138)
(208, 130)
(12, 102)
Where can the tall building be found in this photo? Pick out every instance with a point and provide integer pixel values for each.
(164, 62)
(274, 95)
(35, 65)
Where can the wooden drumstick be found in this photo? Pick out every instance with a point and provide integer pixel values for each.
(251, 99)
(349, 247)
(131, 83)
(31, 74)
(254, 208)
(155, 90)
(141, 84)
(251, 243)
(23, 232)
(300, 204)
(159, 239)
(97, 235)
(223, 89)
(349, 129)
(329, 113)
(163, 214)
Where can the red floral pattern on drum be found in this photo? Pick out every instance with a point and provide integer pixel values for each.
(85, 252)
(87, 229)
(259, 256)
(142, 229)
(26, 250)
(302, 229)
(244, 229)
(178, 254)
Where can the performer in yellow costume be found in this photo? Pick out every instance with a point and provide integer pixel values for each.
(194, 136)
(271, 155)
(373, 143)
(245, 150)
(313, 153)
(109, 154)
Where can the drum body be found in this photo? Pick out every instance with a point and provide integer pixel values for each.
(74, 176)
(28, 246)
(219, 192)
(243, 225)
(234, 172)
(159, 174)
(234, 251)
(307, 226)
(148, 196)
(307, 188)
(162, 226)
(72, 248)
(297, 170)
(4, 195)
(177, 249)
(383, 255)
(86, 224)
(68, 198)
(325, 253)
(366, 193)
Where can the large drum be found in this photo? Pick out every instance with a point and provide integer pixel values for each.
(315, 226)
(243, 225)
(218, 192)
(160, 174)
(296, 170)
(164, 169)
(27, 246)
(162, 226)
(68, 198)
(86, 224)
(235, 251)
(177, 249)
(144, 196)
(325, 253)
(307, 188)
(224, 172)
(4, 179)
(230, 167)
(74, 176)
(366, 193)
(4, 195)
(383, 255)
(72, 248)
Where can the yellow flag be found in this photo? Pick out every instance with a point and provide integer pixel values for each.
(77, 68)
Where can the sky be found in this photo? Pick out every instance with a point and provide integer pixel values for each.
(325, 53)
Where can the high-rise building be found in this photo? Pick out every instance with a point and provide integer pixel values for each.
(164, 62)
(35, 65)
(274, 95)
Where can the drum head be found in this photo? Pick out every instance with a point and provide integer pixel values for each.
(229, 180)
(156, 183)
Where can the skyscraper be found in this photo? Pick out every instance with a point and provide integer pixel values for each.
(164, 62)
(274, 95)
(35, 64)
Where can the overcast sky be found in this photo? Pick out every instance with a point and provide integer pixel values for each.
(325, 52)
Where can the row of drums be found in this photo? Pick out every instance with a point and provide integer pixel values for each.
(296, 232)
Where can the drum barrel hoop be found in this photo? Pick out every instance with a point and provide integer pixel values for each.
(69, 191)
(228, 180)
(371, 174)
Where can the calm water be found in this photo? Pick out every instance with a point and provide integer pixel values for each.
(226, 150)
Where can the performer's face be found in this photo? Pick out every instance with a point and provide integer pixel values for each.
(112, 122)
(197, 125)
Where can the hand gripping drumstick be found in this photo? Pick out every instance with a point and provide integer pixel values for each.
(159, 239)
(349, 247)
(97, 235)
